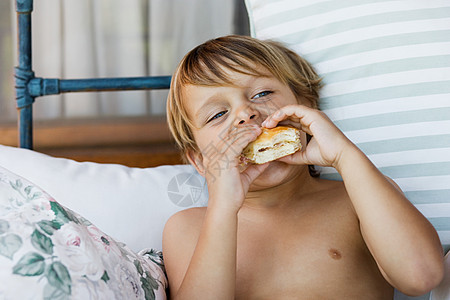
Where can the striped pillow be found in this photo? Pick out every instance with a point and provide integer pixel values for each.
(386, 69)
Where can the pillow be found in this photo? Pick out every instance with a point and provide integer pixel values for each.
(386, 73)
(50, 252)
(130, 204)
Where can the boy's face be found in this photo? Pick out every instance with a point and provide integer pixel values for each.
(216, 110)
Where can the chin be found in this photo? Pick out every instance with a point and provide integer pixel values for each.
(275, 174)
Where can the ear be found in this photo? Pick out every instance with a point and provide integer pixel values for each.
(195, 158)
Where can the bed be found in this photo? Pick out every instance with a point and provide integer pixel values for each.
(93, 231)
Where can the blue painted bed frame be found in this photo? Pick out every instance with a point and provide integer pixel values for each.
(29, 87)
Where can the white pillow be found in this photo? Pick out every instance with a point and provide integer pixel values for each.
(129, 204)
(386, 70)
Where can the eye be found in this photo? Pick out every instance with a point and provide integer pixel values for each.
(262, 94)
(216, 116)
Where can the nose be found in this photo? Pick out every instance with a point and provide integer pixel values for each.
(246, 115)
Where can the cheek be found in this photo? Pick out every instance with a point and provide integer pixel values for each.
(282, 100)
(207, 142)
(268, 108)
(201, 141)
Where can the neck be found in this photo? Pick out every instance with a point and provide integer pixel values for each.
(297, 184)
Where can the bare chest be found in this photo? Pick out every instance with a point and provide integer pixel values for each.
(312, 256)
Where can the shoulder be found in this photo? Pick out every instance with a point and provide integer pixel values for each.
(391, 181)
(331, 189)
(184, 226)
(188, 219)
(334, 195)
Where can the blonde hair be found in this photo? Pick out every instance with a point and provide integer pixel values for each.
(206, 65)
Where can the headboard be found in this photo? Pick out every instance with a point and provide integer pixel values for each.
(29, 86)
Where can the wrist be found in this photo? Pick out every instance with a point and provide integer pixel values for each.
(348, 158)
(225, 207)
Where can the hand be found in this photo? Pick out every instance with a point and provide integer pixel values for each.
(227, 182)
(327, 143)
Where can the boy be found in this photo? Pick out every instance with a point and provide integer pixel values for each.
(272, 231)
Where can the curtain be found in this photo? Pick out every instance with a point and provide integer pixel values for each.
(108, 38)
(7, 105)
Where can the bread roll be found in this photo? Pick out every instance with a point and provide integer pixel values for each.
(272, 144)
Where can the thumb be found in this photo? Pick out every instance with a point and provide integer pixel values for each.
(297, 158)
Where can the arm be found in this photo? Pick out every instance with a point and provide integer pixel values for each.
(202, 265)
(200, 258)
(402, 241)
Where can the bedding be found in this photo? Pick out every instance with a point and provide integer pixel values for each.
(130, 204)
(34, 224)
(50, 252)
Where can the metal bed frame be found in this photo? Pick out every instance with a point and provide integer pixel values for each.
(28, 87)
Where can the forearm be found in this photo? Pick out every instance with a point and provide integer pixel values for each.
(402, 241)
(212, 271)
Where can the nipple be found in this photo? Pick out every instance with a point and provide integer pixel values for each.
(334, 253)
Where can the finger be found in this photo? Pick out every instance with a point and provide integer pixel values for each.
(296, 158)
(233, 135)
(270, 121)
(293, 113)
(241, 137)
(230, 147)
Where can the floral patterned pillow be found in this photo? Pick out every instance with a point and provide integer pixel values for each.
(50, 252)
